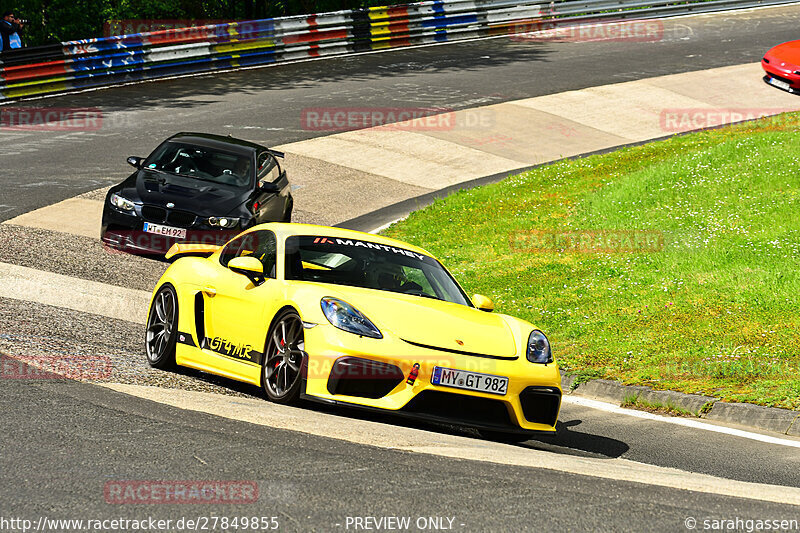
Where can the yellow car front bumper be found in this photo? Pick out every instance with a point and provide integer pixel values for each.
(530, 403)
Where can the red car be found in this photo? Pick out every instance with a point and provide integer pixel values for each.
(782, 65)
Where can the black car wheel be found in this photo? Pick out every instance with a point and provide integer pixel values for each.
(281, 375)
(162, 328)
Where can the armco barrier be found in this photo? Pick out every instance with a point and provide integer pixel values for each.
(106, 61)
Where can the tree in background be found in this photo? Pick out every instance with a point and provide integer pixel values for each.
(53, 21)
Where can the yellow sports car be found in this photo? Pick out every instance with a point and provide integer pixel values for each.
(345, 317)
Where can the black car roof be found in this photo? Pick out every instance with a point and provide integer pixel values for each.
(209, 140)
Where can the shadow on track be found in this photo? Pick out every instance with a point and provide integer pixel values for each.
(565, 441)
(169, 94)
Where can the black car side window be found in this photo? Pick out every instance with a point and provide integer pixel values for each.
(258, 244)
(268, 169)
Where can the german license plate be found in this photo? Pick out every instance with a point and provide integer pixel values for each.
(167, 231)
(462, 379)
(780, 83)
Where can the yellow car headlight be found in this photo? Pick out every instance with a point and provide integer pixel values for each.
(539, 348)
(347, 318)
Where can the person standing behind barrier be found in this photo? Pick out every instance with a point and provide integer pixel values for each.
(10, 26)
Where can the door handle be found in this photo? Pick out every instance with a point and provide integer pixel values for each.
(209, 291)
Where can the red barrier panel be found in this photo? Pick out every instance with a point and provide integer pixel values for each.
(315, 36)
(398, 26)
(36, 70)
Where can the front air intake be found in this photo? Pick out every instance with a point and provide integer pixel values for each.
(540, 404)
(364, 378)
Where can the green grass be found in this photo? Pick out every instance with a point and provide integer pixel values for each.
(713, 311)
(633, 401)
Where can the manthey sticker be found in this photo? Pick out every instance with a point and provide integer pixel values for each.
(368, 245)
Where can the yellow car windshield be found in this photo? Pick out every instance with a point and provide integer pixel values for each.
(369, 265)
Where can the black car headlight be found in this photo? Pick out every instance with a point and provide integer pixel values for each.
(121, 202)
(539, 348)
(223, 222)
(346, 317)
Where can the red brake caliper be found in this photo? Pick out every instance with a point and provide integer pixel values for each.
(283, 343)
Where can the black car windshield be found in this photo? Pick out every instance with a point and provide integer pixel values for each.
(369, 265)
(224, 168)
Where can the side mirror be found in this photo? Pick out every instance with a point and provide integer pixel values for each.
(135, 162)
(483, 303)
(269, 187)
(249, 267)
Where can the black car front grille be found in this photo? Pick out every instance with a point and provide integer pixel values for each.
(468, 410)
(182, 219)
(152, 213)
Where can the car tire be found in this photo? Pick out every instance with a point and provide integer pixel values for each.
(284, 351)
(162, 328)
(502, 436)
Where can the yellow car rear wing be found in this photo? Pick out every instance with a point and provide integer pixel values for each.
(191, 249)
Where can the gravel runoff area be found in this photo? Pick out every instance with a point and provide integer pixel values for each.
(76, 256)
(90, 348)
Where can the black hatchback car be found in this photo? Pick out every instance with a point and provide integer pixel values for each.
(195, 187)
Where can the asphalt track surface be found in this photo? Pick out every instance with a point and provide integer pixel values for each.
(85, 436)
(61, 441)
(265, 105)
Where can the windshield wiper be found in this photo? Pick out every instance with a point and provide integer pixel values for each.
(424, 294)
(159, 171)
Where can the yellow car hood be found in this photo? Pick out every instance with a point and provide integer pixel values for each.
(434, 323)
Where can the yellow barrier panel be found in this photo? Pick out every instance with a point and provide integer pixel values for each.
(29, 83)
(244, 45)
(31, 91)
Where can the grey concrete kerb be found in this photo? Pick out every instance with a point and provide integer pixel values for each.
(758, 417)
